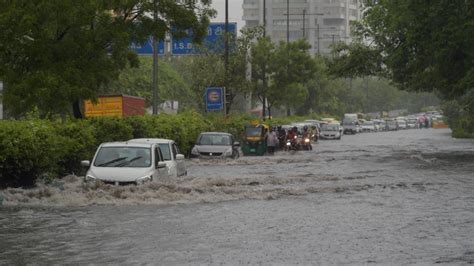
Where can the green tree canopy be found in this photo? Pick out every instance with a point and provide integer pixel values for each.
(137, 81)
(57, 52)
(425, 46)
(292, 67)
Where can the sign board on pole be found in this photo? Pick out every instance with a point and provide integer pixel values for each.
(147, 47)
(215, 97)
(213, 40)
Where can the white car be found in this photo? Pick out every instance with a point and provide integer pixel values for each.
(369, 126)
(173, 158)
(126, 163)
(402, 123)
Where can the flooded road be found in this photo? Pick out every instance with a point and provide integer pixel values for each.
(391, 197)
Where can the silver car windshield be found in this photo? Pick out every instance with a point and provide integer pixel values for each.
(215, 139)
(330, 127)
(123, 157)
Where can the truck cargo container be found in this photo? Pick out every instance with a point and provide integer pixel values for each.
(115, 105)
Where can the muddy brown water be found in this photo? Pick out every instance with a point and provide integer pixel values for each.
(403, 197)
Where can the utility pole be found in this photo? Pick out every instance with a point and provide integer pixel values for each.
(319, 39)
(288, 112)
(367, 93)
(264, 99)
(1, 99)
(264, 18)
(155, 63)
(287, 22)
(304, 19)
(226, 56)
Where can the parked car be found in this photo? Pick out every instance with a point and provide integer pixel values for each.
(331, 131)
(412, 122)
(215, 145)
(391, 124)
(402, 123)
(126, 163)
(379, 124)
(350, 126)
(368, 126)
(172, 156)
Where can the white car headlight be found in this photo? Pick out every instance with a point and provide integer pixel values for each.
(143, 179)
(90, 178)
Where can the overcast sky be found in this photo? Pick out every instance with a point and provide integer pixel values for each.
(235, 11)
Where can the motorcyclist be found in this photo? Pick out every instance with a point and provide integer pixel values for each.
(307, 137)
(292, 136)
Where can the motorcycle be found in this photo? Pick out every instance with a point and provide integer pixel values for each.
(307, 144)
(292, 144)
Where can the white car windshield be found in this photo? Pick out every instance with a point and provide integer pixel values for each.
(123, 157)
(215, 139)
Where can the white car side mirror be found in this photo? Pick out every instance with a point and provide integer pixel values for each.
(86, 163)
(179, 157)
(161, 165)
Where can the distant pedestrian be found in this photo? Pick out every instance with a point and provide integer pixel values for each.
(427, 121)
(272, 141)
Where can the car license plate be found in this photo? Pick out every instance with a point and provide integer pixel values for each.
(252, 150)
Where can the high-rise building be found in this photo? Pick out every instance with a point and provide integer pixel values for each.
(320, 22)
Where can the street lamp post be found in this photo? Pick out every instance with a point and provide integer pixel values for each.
(155, 64)
(226, 56)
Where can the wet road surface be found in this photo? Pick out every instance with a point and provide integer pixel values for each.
(385, 198)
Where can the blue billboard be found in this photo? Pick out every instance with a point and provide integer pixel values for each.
(215, 97)
(213, 40)
(147, 47)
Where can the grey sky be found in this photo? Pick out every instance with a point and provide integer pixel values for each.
(235, 11)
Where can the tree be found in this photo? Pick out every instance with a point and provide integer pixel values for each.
(424, 46)
(54, 53)
(261, 58)
(137, 81)
(208, 69)
(291, 67)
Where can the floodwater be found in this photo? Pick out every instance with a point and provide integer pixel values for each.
(404, 197)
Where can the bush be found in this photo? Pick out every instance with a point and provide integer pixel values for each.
(459, 118)
(108, 129)
(78, 142)
(28, 150)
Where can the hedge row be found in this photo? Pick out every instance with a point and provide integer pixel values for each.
(35, 148)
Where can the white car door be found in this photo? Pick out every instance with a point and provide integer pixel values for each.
(160, 172)
(169, 159)
(180, 164)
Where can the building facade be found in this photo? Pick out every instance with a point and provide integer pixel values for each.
(320, 22)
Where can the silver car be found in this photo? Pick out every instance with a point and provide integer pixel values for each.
(215, 145)
(331, 131)
(173, 158)
(126, 163)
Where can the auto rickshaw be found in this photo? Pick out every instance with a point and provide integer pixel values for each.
(254, 139)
